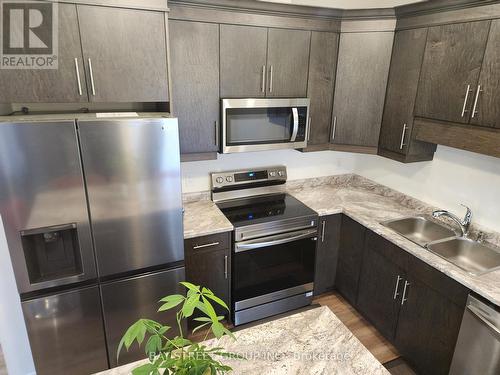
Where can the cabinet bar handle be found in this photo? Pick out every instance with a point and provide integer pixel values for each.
(465, 100)
(396, 290)
(323, 225)
(225, 266)
(309, 129)
(91, 77)
(217, 133)
(271, 79)
(205, 245)
(78, 77)
(403, 134)
(263, 83)
(334, 127)
(474, 112)
(404, 299)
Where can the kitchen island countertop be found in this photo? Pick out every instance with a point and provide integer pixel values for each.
(314, 341)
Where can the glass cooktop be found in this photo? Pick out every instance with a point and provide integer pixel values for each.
(256, 210)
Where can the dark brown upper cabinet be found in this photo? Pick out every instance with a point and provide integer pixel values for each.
(361, 81)
(288, 62)
(243, 51)
(486, 107)
(450, 71)
(263, 62)
(66, 84)
(124, 53)
(397, 122)
(322, 70)
(194, 54)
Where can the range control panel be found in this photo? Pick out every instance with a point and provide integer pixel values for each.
(248, 177)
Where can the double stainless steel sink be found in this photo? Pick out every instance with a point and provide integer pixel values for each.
(472, 256)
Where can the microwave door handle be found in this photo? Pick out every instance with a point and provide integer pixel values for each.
(295, 115)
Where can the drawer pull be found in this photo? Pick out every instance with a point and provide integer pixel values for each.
(206, 245)
(225, 267)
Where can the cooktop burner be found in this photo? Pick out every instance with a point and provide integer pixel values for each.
(262, 209)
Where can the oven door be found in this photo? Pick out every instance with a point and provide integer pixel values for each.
(273, 268)
(264, 124)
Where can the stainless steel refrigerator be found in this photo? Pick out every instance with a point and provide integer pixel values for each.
(92, 211)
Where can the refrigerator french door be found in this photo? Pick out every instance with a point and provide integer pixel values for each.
(132, 173)
(43, 205)
(125, 301)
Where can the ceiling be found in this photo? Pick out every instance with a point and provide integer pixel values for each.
(347, 4)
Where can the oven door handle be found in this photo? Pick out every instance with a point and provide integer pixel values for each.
(274, 240)
(295, 115)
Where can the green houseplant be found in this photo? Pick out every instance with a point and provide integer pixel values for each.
(178, 355)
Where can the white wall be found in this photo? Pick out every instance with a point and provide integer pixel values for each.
(195, 175)
(453, 177)
(13, 334)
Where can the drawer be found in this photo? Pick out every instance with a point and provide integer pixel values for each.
(219, 241)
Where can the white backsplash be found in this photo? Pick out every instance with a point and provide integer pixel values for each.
(453, 177)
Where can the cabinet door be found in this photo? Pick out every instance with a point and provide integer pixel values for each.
(322, 69)
(488, 102)
(360, 87)
(380, 285)
(397, 122)
(125, 54)
(350, 258)
(194, 54)
(327, 253)
(288, 62)
(427, 329)
(51, 85)
(242, 61)
(210, 268)
(450, 71)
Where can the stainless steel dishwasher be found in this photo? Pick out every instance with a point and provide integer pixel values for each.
(478, 344)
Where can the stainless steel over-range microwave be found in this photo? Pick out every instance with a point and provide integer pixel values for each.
(264, 124)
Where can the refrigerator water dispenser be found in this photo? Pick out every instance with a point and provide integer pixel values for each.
(52, 253)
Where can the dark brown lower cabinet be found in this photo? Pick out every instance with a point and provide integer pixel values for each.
(208, 264)
(327, 253)
(412, 304)
(380, 285)
(350, 258)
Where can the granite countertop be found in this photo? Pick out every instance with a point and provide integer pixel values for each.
(310, 342)
(203, 217)
(369, 204)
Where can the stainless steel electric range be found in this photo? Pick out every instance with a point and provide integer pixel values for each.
(274, 242)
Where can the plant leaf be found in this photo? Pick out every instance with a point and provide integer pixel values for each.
(218, 300)
(202, 319)
(146, 369)
(200, 327)
(171, 302)
(218, 329)
(190, 286)
(210, 310)
(153, 345)
(189, 305)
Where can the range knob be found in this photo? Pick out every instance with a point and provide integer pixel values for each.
(272, 174)
(281, 173)
(219, 180)
(229, 178)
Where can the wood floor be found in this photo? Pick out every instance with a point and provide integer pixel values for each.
(364, 331)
